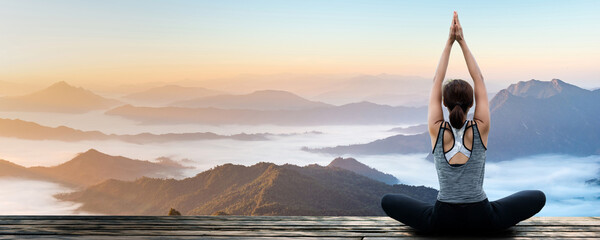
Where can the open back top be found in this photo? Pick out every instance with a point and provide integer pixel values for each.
(458, 146)
(460, 183)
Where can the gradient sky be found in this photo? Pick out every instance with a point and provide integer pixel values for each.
(138, 41)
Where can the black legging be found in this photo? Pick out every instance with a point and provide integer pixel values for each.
(480, 216)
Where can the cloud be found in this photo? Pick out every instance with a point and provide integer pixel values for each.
(29, 197)
(561, 177)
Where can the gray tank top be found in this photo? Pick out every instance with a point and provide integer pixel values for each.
(460, 183)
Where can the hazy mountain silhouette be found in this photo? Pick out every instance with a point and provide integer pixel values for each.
(388, 89)
(9, 169)
(353, 165)
(337, 89)
(408, 99)
(540, 89)
(398, 144)
(355, 113)
(92, 167)
(162, 96)
(59, 97)
(528, 118)
(258, 100)
(16, 128)
(415, 129)
(261, 189)
(536, 117)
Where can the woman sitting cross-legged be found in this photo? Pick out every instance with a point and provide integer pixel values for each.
(459, 152)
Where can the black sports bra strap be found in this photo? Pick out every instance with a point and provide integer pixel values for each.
(446, 125)
(470, 123)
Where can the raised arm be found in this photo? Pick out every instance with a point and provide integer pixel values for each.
(435, 114)
(482, 109)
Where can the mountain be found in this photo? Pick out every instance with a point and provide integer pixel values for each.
(414, 129)
(16, 128)
(92, 167)
(409, 99)
(355, 113)
(335, 89)
(528, 118)
(541, 90)
(398, 144)
(60, 97)
(547, 117)
(258, 100)
(353, 165)
(8, 169)
(260, 189)
(387, 89)
(163, 95)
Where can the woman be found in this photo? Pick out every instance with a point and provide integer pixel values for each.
(459, 156)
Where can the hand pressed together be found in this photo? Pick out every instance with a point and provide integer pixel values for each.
(456, 33)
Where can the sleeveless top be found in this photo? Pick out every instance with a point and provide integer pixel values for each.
(461, 183)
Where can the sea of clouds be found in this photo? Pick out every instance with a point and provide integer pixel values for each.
(561, 177)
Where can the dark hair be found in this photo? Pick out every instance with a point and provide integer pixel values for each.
(458, 98)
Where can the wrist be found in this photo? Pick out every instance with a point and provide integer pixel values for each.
(461, 42)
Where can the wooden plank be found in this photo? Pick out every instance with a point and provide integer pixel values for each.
(260, 218)
(176, 227)
(178, 237)
(263, 232)
(261, 221)
(229, 218)
(266, 219)
(263, 227)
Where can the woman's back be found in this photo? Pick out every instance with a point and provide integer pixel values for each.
(460, 183)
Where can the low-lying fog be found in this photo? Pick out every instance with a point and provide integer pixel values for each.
(562, 178)
(30, 197)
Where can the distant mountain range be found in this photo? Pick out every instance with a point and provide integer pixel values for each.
(398, 144)
(410, 130)
(164, 95)
(337, 89)
(60, 97)
(387, 89)
(261, 189)
(528, 118)
(355, 113)
(258, 100)
(544, 117)
(93, 167)
(16, 128)
(353, 165)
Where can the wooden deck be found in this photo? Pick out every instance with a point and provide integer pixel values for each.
(263, 227)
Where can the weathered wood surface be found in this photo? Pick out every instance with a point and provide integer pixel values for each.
(263, 227)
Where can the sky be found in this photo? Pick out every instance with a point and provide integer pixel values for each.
(120, 42)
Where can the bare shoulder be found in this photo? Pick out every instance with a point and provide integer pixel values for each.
(434, 129)
(484, 129)
(482, 126)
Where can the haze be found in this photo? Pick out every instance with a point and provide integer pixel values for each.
(108, 43)
(330, 53)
